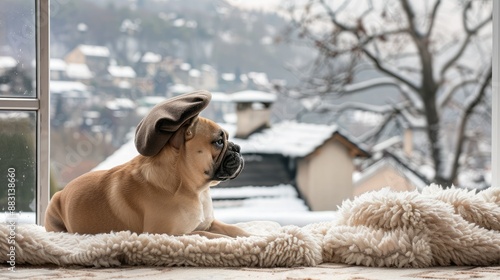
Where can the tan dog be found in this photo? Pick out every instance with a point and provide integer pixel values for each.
(167, 192)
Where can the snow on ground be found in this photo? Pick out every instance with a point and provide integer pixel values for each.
(253, 192)
(280, 204)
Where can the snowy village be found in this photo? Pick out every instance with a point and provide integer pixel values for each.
(304, 149)
(326, 101)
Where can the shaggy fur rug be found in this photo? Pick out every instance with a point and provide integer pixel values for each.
(392, 229)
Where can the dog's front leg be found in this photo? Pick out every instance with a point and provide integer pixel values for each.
(219, 227)
(209, 235)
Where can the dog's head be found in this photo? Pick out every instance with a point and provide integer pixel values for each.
(206, 148)
(204, 152)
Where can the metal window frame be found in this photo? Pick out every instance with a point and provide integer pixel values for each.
(495, 106)
(40, 104)
(43, 112)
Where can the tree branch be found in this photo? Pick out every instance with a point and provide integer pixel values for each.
(474, 101)
(389, 72)
(433, 18)
(333, 17)
(384, 109)
(470, 32)
(410, 14)
(447, 95)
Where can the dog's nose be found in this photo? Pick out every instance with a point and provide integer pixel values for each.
(235, 147)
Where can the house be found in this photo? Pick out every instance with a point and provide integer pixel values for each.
(79, 72)
(58, 69)
(122, 76)
(95, 57)
(221, 109)
(184, 73)
(148, 64)
(317, 159)
(209, 79)
(391, 169)
(67, 98)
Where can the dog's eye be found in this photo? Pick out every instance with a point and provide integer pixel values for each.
(219, 143)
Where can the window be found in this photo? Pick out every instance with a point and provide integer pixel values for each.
(24, 118)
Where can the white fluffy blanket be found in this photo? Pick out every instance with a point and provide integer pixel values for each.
(409, 229)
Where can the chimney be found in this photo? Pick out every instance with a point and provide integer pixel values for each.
(253, 111)
(408, 141)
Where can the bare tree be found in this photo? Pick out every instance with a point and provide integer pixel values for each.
(430, 51)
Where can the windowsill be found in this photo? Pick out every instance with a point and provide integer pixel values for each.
(18, 218)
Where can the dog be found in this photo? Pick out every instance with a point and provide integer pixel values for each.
(163, 190)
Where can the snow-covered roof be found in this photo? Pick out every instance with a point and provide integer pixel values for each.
(90, 50)
(57, 64)
(150, 57)
(185, 66)
(179, 22)
(220, 97)
(7, 62)
(258, 78)
(120, 103)
(414, 121)
(395, 159)
(180, 88)
(228, 77)
(403, 170)
(253, 96)
(66, 86)
(288, 138)
(78, 71)
(121, 71)
(280, 204)
(150, 101)
(207, 68)
(195, 73)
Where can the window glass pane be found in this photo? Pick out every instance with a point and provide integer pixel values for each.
(17, 48)
(18, 164)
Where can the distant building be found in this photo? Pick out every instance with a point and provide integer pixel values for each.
(206, 78)
(122, 76)
(147, 64)
(389, 170)
(58, 69)
(95, 57)
(79, 72)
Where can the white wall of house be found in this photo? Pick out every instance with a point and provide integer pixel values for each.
(384, 176)
(325, 176)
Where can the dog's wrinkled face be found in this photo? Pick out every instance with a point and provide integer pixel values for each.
(208, 150)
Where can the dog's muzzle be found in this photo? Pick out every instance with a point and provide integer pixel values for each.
(231, 164)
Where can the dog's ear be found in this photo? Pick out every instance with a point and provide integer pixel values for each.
(184, 133)
(166, 118)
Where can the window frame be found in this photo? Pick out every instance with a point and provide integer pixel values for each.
(40, 105)
(495, 106)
